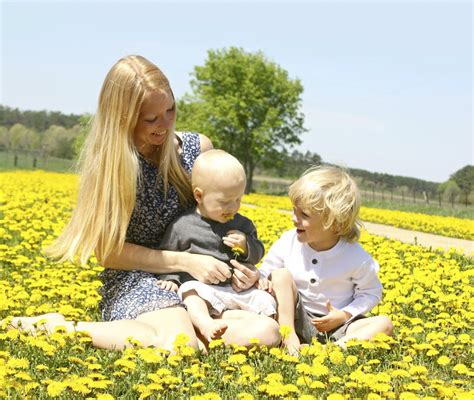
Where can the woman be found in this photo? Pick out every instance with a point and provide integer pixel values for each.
(134, 181)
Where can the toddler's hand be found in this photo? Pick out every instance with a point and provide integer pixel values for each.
(236, 240)
(265, 284)
(334, 319)
(168, 285)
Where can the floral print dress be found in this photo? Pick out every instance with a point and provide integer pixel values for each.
(127, 294)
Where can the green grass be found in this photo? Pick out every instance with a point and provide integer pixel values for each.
(27, 161)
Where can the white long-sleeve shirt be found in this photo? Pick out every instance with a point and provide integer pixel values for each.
(345, 274)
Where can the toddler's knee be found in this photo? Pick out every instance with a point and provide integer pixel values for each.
(268, 332)
(386, 324)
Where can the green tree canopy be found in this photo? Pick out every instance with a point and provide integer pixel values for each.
(248, 106)
(450, 190)
(465, 180)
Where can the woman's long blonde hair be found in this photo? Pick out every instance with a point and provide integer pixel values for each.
(109, 165)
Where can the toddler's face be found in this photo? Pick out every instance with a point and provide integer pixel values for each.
(310, 229)
(220, 205)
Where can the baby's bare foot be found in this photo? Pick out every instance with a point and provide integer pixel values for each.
(43, 322)
(214, 330)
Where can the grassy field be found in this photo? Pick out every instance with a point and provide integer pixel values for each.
(427, 294)
(27, 162)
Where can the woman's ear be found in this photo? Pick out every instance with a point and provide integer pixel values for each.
(197, 192)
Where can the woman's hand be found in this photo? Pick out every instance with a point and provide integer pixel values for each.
(207, 269)
(244, 276)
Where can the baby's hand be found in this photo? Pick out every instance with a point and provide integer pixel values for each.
(168, 285)
(237, 241)
(265, 284)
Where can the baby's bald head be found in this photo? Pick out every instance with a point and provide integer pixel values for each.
(217, 170)
(218, 181)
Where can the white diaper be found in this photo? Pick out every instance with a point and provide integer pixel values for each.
(221, 298)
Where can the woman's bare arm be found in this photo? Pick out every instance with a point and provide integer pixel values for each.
(204, 268)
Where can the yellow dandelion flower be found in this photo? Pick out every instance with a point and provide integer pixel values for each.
(23, 376)
(443, 361)
(237, 359)
(351, 360)
(317, 385)
(237, 251)
(414, 386)
(18, 363)
(127, 364)
(335, 396)
(336, 357)
(105, 396)
(285, 331)
(55, 388)
(216, 343)
(461, 369)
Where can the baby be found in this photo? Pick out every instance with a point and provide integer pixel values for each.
(215, 228)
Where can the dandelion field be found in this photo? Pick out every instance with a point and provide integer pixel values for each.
(461, 228)
(428, 296)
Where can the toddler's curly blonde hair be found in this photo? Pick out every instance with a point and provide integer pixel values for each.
(332, 193)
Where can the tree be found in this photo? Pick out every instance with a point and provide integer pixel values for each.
(85, 126)
(465, 180)
(450, 191)
(4, 138)
(22, 139)
(247, 104)
(59, 141)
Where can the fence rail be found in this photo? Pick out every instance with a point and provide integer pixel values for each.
(278, 186)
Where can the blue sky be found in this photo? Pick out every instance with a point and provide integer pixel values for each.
(388, 85)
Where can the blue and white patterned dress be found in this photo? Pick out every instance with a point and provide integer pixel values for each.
(127, 294)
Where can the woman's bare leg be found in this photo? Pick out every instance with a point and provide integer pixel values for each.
(244, 325)
(208, 328)
(167, 324)
(156, 328)
(286, 294)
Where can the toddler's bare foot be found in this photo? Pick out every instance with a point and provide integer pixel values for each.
(292, 344)
(49, 322)
(214, 330)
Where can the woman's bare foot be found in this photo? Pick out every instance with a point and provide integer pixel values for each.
(43, 322)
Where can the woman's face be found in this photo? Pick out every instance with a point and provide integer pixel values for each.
(157, 115)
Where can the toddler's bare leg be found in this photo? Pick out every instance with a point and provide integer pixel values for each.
(367, 328)
(286, 294)
(207, 327)
(245, 325)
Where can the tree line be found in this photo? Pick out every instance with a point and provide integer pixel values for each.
(248, 105)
